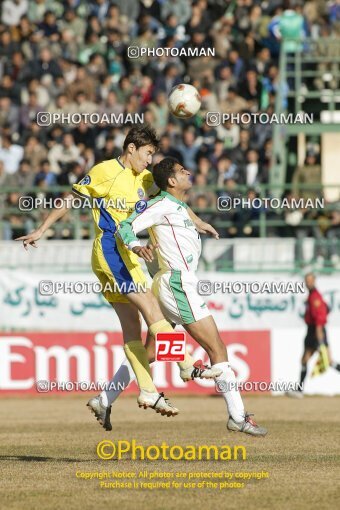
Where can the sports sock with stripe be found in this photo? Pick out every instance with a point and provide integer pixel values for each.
(138, 358)
(121, 380)
(228, 386)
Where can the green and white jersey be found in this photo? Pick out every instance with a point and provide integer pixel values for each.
(169, 226)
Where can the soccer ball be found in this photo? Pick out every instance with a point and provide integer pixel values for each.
(184, 101)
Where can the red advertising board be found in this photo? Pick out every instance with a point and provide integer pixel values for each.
(170, 346)
(28, 357)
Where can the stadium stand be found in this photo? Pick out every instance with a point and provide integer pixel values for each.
(72, 56)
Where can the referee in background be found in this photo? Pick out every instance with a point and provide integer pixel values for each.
(316, 338)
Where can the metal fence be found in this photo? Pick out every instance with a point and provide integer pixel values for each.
(230, 210)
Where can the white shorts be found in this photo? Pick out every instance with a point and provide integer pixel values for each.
(176, 292)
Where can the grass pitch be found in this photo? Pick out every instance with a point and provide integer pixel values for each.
(45, 441)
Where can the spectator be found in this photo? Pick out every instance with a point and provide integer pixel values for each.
(265, 158)
(9, 114)
(334, 12)
(218, 151)
(39, 89)
(328, 67)
(49, 26)
(203, 209)
(23, 178)
(34, 153)
(239, 154)
(110, 150)
(99, 9)
(252, 168)
(45, 65)
(7, 46)
(199, 189)
(63, 153)
(160, 109)
(169, 80)
(68, 48)
(82, 84)
(225, 79)
(28, 112)
(82, 104)
(61, 105)
(294, 216)
(36, 10)
(12, 10)
(84, 135)
(3, 184)
(16, 67)
(237, 65)
(189, 148)
(167, 149)
(204, 168)
(200, 19)
(71, 57)
(128, 8)
(227, 170)
(308, 175)
(262, 61)
(11, 155)
(247, 214)
(14, 223)
(226, 195)
(145, 90)
(179, 8)
(250, 90)
(73, 174)
(111, 104)
(230, 133)
(10, 89)
(233, 102)
(333, 237)
(74, 25)
(207, 135)
(45, 175)
(291, 28)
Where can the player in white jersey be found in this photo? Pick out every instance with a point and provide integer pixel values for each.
(178, 247)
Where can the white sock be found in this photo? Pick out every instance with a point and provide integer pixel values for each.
(228, 386)
(121, 380)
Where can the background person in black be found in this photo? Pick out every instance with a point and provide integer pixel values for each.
(316, 319)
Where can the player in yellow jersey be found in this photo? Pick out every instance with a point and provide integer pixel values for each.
(117, 187)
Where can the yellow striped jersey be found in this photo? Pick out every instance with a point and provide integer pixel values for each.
(114, 190)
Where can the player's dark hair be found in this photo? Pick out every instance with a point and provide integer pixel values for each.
(163, 170)
(141, 136)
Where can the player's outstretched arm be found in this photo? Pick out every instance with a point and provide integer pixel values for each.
(202, 226)
(55, 215)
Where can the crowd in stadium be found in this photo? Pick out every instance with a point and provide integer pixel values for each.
(71, 56)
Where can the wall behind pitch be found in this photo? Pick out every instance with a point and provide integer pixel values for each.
(286, 352)
(23, 306)
(245, 321)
